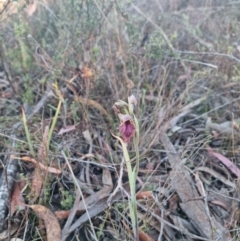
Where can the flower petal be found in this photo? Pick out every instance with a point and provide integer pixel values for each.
(132, 100)
(121, 103)
(127, 130)
(124, 118)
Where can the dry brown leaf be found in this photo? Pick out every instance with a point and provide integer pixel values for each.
(66, 129)
(86, 72)
(17, 200)
(173, 202)
(227, 162)
(37, 179)
(144, 195)
(28, 159)
(142, 236)
(217, 175)
(31, 9)
(50, 169)
(150, 166)
(36, 187)
(129, 83)
(50, 221)
(221, 204)
(41, 166)
(87, 136)
(62, 214)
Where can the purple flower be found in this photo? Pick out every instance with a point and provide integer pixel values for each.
(127, 127)
(132, 100)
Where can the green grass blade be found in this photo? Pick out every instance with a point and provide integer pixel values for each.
(54, 123)
(27, 133)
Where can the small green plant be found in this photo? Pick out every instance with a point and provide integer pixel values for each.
(21, 30)
(67, 199)
(28, 95)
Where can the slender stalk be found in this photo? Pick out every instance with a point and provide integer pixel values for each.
(132, 176)
(55, 117)
(27, 133)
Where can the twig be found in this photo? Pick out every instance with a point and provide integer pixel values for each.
(202, 63)
(162, 211)
(5, 6)
(119, 185)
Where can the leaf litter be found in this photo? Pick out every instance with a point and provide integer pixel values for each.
(187, 185)
(17, 200)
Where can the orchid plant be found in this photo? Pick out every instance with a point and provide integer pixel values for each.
(129, 131)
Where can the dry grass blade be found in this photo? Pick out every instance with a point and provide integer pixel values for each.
(50, 221)
(42, 152)
(66, 129)
(55, 118)
(37, 184)
(27, 133)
